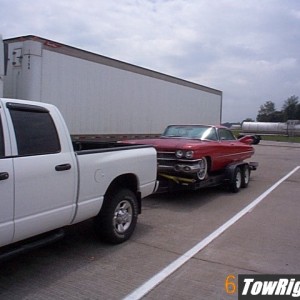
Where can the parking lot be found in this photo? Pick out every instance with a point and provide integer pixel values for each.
(264, 239)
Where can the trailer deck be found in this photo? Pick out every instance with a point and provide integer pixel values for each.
(227, 177)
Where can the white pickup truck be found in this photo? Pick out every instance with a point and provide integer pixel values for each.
(48, 182)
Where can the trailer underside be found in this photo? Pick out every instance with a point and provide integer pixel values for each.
(226, 177)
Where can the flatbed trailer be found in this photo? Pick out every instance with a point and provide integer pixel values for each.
(235, 176)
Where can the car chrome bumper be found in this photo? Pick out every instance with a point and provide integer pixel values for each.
(182, 168)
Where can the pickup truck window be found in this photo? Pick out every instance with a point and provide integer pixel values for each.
(1, 140)
(35, 132)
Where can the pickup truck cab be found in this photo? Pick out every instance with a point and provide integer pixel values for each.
(47, 182)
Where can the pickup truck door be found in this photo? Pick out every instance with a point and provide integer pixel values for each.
(45, 174)
(6, 194)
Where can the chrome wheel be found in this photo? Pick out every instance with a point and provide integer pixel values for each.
(122, 216)
(238, 180)
(245, 176)
(118, 216)
(203, 169)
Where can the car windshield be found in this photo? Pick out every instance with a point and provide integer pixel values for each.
(191, 132)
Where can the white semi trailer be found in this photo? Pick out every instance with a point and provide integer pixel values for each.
(101, 96)
(1, 66)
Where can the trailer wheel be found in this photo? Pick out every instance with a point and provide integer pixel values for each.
(203, 168)
(118, 217)
(236, 183)
(245, 176)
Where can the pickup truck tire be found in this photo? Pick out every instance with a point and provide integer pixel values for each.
(236, 183)
(118, 217)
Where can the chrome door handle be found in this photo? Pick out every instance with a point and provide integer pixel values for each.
(63, 167)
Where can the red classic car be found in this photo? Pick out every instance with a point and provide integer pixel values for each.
(194, 151)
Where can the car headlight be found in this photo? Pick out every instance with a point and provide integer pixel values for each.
(189, 154)
(179, 153)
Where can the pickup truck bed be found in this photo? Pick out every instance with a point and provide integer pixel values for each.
(98, 146)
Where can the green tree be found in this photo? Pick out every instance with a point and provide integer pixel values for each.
(277, 116)
(290, 107)
(248, 120)
(266, 111)
(298, 112)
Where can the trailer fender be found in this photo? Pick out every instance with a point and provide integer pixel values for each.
(234, 176)
(230, 171)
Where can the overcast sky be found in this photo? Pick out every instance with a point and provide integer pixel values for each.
(249, 49)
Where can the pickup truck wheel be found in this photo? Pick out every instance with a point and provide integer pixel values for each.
(236, 183)
(203, 169)
(118, 217)
(245, 176)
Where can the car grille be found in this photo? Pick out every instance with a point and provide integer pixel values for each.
(166, 155)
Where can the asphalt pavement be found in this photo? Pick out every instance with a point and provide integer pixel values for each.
(263, 240)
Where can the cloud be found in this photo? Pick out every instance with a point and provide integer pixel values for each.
(295, 13)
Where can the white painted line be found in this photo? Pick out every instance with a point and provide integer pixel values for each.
(171, 268)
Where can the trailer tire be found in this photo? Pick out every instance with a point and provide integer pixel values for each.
(118, 217)
(236, 182)
(245, 176)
